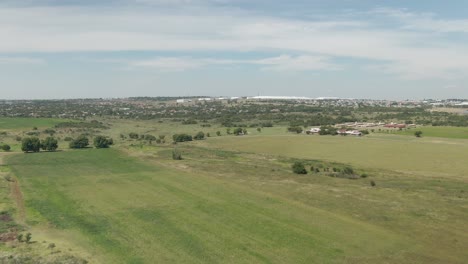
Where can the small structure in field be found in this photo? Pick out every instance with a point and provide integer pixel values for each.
(345, 132)
(314, 130)
(393, 125)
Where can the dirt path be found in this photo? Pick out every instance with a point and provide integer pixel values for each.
(18, 198)
(16, 194)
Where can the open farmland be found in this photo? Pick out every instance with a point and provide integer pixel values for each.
(136, 204)
(440, 132)
(234, 199)
(136, 212)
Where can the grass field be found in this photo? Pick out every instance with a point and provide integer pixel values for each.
(134, 213)
(28, 123)
(439, 131)
(235, 200)
(412, 155)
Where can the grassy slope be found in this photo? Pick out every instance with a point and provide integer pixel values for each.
(441, 132)
(137, 212)
(421, 156)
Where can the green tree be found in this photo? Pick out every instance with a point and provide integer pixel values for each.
(199, 136)
(418, 133)
(30, 144)
(299, 168)
(49, 144)
(238, 131)
(182, 138)
(218, 133)
(80, 142)
(259, 129)
(6, 147)
(102, 142)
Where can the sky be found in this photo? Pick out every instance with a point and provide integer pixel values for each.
(376, 49)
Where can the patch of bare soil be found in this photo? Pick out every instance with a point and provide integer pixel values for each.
(18, 198)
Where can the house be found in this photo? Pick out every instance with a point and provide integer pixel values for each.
(313, 130)
(393, 125)
(345, 132)
(354, 133)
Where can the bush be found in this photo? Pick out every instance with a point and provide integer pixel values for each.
(102, 142)
(218, 133)
(418, 133)
(81, 142)
(6, 147)
(372, 183)
(348, 170)
(30, 144)
(296, 129)
(239, 131)
(49, 144)
(49, 131)
(364, 175)
(298, 168)
(28, 237)
(133, 135)
(176, 155)
(199, 136)
(182, 138)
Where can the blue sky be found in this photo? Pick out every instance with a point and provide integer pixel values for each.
(119, 48)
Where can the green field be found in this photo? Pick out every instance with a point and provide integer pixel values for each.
(28, 123)
(412, 155)
(439, 131)
(135, 212)
(235, 200)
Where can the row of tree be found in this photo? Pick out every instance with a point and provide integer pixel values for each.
(34, 144)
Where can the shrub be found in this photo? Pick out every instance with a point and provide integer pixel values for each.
(372, 183)
(81, 142)
(149, 137)
(18, 138)
(364, 175)
(49, 131)
(133, 135)
(218, 133)
(298, 168)
(238, 131)
(418, 133)
(199, 136)
(348, 170)
(49, 144)
(182, 138)
(6, 147)
(30, 144)
(296, 129)
(102, 142)
(176, 155)
(28, 237)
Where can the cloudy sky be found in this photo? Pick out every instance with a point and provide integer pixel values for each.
(394, 49)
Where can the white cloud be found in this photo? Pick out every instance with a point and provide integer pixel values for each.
(280, 63)
(413, 48)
